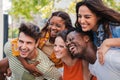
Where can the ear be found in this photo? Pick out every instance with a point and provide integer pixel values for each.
(86, 38)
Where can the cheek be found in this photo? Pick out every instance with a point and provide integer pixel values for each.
(79, 20)
(60, 29)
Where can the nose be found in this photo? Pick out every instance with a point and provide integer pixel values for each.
(53, 26)
(56, 48)
(68, 43)
(81, 20)
(23, 46)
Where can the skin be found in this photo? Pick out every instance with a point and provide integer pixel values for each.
(4, 68)
(89, 21)
(60, 48)
(81, 47)
(27, 46)
(73, 42)
(77, 45)
(61, 52)
(56, 24)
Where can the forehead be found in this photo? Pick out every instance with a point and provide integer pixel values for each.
(59, 39)
(24, 37)
(84, 10)
(57, 19)
(73, 34)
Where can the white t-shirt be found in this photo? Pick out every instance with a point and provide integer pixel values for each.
(111, 68)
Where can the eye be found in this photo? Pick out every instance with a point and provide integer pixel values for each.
(20, 41)
(79, 16)
(55, 45)
(51, 23)
(58, 25)
(29, 42)
(61, 46)
(87, 16)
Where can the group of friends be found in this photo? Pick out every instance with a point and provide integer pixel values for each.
(60, 51)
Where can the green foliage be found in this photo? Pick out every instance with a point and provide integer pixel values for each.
(13, 32)
(114, 4)
(27, 8)
(110, 3)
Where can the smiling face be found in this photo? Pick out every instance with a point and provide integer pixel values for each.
(56, 25)
(87, 19)
(76, 44)
(26, 46)
(60, 48)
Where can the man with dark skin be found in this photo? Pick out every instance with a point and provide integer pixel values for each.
(81, 45)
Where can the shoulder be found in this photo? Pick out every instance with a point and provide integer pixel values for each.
(113, 58)
(115, 30)
(7, 47)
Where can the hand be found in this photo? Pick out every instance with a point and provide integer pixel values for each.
(33, 69)
(30, 67)
(60, 78)
(4, 69)
(102, 51)
(8, 73)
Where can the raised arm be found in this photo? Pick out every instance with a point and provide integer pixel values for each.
(111, 42)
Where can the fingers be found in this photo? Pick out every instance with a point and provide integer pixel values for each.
(36, 74)
(100, 57)
(9, 72)
(36, 63)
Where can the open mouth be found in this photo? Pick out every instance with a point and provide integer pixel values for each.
(53, 33)
(72, 48)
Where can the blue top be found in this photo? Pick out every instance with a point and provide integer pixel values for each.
(99, 38)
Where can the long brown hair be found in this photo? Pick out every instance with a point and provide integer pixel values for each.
(107, 15)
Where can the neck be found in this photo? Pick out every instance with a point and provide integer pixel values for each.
(95, 28)
(90, 54)
(33, 54)
(52, 40)
(69, 61)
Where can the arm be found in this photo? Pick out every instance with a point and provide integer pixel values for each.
(47, 67)
(111, 42)
(4, 69)
(30, 67)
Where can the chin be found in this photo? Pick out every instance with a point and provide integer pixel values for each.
(23, 56)
(77, 55)
(58, 57)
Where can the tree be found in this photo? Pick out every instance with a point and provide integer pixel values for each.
(114, 4)
(27, 8)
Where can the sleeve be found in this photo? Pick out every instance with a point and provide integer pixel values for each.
(114, 55)
(7, 49)
(118, 31)
(115, 30)
(47, 67)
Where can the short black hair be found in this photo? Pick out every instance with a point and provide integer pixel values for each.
(79, 30)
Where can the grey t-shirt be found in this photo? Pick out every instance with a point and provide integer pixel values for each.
(111, 68)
